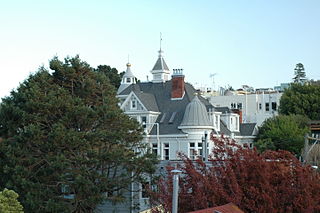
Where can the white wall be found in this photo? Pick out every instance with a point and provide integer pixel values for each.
(254, 106)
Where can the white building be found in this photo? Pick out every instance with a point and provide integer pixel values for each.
(175, 118)
(255, 107)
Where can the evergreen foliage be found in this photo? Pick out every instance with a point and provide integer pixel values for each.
(112, 74)
(300, 74)
(302, 100)
(283, 132)
(66, 143)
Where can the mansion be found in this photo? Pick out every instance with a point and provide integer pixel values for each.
(175, 119)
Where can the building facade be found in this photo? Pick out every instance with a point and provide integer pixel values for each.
(255, 107)
(175, 118)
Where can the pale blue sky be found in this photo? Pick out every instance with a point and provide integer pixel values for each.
(252, 42)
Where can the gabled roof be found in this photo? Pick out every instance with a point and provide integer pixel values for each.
(228, 208)
(148, 100)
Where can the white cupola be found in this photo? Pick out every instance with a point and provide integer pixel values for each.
(160, 71)
(127, 79)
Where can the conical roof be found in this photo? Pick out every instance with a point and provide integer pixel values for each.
(195, 114)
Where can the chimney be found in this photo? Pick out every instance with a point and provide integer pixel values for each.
(177, 90)
(239, 112)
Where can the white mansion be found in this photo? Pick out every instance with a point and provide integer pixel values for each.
(175, 119)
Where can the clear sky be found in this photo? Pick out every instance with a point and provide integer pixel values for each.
(250, 42)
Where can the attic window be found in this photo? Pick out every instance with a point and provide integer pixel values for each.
(133, 104)
(172, 117)
(128, 80)
(163, 117)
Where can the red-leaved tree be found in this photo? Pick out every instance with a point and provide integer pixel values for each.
(266, 183)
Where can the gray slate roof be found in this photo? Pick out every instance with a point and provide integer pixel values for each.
(157, 97)
(160, 93)
(247, 129)
(148, 100)
(160, 65)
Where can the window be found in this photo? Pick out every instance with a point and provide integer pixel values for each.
(239, 106)
(144, 121)
(192, 151)
(267, 107)
(155, 149)
(260, 106)
(144, 189)
(200, 153)
(274, 106)
(166, 151)
(128, 80)
(195, 150)
(133, 104)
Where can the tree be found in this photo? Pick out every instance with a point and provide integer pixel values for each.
(9, 202)
(112, 74)
(283, 132)
(272, 182)
(66, 143)
(300, 74)
(302, 100)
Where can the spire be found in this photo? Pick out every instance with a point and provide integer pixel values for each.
(160, 70)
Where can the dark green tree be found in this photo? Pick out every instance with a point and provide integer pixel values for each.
(302, 100)
(66, 143)
(283, 132)
(112, 74)
(299, 74)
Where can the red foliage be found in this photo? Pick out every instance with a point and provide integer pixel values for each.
(268, 182)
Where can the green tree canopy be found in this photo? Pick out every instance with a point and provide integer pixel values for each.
(302, 100)
(299, 74)
(112, 74)
(283, 132)
(66, 143)
(9, 202)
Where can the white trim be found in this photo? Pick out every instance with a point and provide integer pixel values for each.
(129, 99)
(196, 127)
(174, 99)
(167, 136)
(142, 112)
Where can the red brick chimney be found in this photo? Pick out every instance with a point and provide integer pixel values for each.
(177, 90)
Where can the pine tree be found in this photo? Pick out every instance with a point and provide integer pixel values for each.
(66, 143)
(300, 74)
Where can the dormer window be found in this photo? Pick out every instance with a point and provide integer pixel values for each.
(128, 80)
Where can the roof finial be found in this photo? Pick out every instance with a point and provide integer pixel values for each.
(128, 64)
(160, 40)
